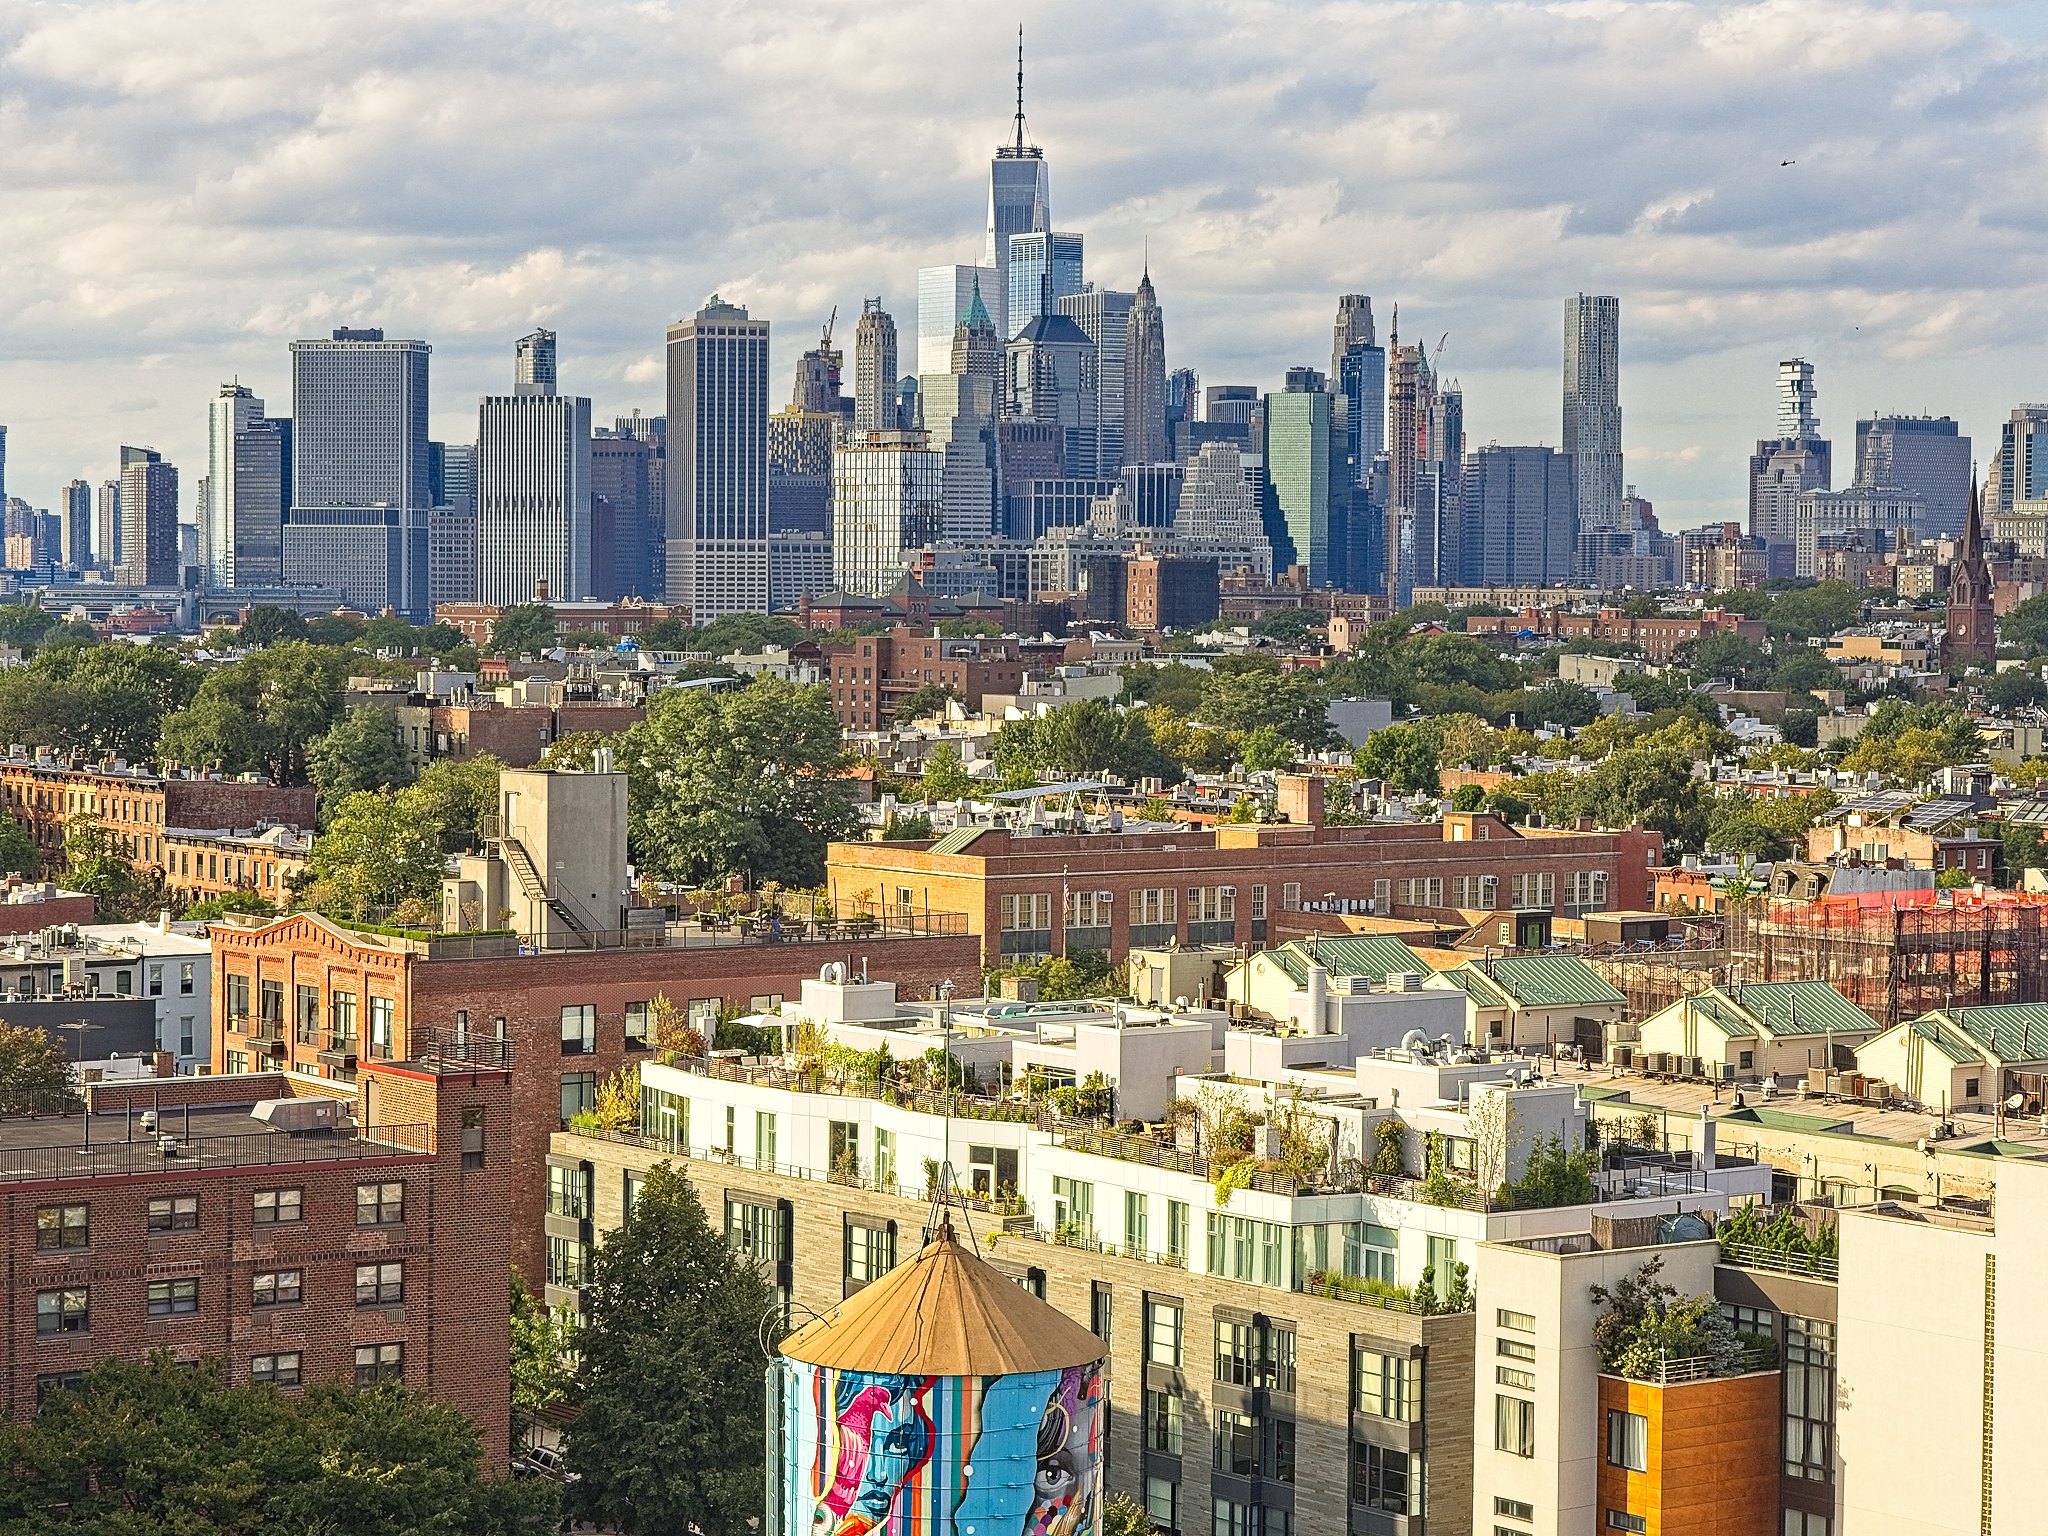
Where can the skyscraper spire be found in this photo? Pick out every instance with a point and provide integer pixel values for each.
(1019, 145)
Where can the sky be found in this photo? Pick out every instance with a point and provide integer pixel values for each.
(186, 186)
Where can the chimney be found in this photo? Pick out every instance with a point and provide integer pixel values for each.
(1299, 798)
(1318, 1000)
(1706, 1142)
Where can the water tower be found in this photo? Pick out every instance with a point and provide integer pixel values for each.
(941, 1400)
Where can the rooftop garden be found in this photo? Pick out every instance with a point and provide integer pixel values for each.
(1650, 1331)
(1784, 1238)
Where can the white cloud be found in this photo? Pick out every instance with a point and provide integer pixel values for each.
(191, 184)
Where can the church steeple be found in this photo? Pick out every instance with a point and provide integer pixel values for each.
(1972, 627)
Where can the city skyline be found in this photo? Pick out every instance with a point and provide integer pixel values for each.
(1479, 221)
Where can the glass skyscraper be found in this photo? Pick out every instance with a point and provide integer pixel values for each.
(1044, 268)
(716, 490)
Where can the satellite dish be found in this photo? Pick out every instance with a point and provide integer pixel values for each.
(832, 973)
(2016, 1103)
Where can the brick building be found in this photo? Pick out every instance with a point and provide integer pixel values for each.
(621, 620)
(305, 994)
(1655, 637)
(1029, 896)
(200, 864)
(516, 734)
(28, 906)
(1169, 592)
(872, 674)
(138, 804)
(366, 1248)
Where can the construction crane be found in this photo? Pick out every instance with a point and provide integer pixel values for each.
(825, 342)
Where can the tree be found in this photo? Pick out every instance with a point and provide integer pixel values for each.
(1906, 742)
(18, 854)
(260, 715)
(361, 751)
(1175, 685)
(97, 861)
(2016, 689)
(378, 852)
(103, 701)
(1558, 704)
(1088, 738)
(1800, 728)
(1653, 786)
(931, 699)
(669, 1434)
(1265, 750)
(169, 1446)
(1403, 755)
(524, 629)
(1196, 748)
(943, 777)
(220, 906)
(741, 782)
(1820, 609)
(543, 1346)
(2027, 625)
(1063, 978)
(1123, 1515)
(1292, 703)
(1467, 797)
(35, 1076)
(264, 625)
(455, 795)
(24, 625)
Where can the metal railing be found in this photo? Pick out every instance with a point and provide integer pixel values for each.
(1338, 1290)
(458, 1049)
(1820, 1266)
(1158, 1154)
(962, 1105)
(840, 922)
(134, 1154)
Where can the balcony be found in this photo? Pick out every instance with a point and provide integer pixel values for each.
(457, 1050)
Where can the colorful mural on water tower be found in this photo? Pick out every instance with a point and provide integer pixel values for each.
(1009, 1455)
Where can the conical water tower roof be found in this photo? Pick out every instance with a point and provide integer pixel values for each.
(947, 1312)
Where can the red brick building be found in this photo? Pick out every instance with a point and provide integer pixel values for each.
(28, 906)
(621, 620)
(137, 804)
(1027, 896)
(871, 675)
(302, 993)
(199, 865)
(1655, 637)
(355, 1251)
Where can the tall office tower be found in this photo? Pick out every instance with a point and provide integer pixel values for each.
(533, 364)
(887, 492)
(451, 523)
(874, 370)
(1784, 468)
(1411, 407)
(800, 471)
(1104, 317)
(622, 532)
(1592, 406)
(1050, 375)
(1027, 452)
(1216, 501)
(3, 466)
(106, 538)
(820, 386)
(960, 418)
(909, 405)
(533, 530)
(944, 295)
(1918, 453)
(1358, 373)
(1520, 517)
(1183, 398)
(1432, 532)
(717, 485)
(1044, 268)
(149, 520)
(1798, 401)
(654, 430)
(1354, 328)
(1152, 493)
(1144, 381)
(246, 491)
(976, 351)
(77, 531)
(2022, 459)
(49, 544)
(1877, 517)
(1298, 453)
(1232, 404)
(1019, 202)
(360, 489)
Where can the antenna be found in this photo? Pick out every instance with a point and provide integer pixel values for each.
(1020, 86)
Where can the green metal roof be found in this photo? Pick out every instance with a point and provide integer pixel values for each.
(1535, 981)
(1371, 955)
(2006, 1031)
(957, 840)
(1780, 1009)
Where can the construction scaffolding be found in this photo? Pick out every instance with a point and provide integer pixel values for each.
(1898, 954)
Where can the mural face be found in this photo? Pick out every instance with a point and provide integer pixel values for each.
(941, 1455)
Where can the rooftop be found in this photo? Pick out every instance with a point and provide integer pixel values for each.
(81, 1146)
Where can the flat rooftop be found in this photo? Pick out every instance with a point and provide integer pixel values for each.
(80, 1146)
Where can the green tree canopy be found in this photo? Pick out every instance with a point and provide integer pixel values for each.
(18, 854)
(669, 1434)
(1173, 684)
(105, 700)
(360, 751)
(35, 1077)
(170, 1447)
(260, 715)
(1906, 742)
(740, 782)
(943, 777)
(1650, 785)
(1085, 739)
(264, 625)
(99, 861)
(1820, 609)
(2018, 688)
(1406, 756)
(379, 852)
(1292, 703)
(24, 625)
(2027, 625)
(524, 629)
(931, 699)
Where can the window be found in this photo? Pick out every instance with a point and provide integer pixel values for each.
(175, 1213)
(1760, 1322)
(63, 1226)
(1165, 1422)
(1255, 1355)
(1073, 1207)
(1162, 1503)
(638, 1025)
(1809, 1398)
(1803, 1523)
(569, 1192)
(472, 1138)
(1375, 1253)
(1154, 908)
(1254, 1447)
(1137, 1208)
(992, 1171)
(379, 1362)
(238, 998)
(1422, 891)
(1628, 1440)
(1384, 1479)
(1177, 1230)
(1514, 1425)
(1163, 1321)
(885, 1159)
(764, 1138)
(382, 1012)
(173, 1298)
(1101, 1309)
(307, 1005)
(65, 1311)
(1970, 1089)
(280, 1370)
(277, 1206)
(1532, 892)
(1089, 909)
(1514, 1349)
(380, 1285)
(1519, 1322)
(1212, 903)
(1290, 896)
(579, 1093)
(1514, 1509)
(870, 1252)
(1258, 903)
(1585, 891)
(1475, 892)
(1508, 1376)
(1027, 913)
(381, 1204)
(1386, 1386)
(579, 1029)
(276, 1288)
(568, 1262)
(341, 1021)
(756, 1230)
(187, 1033)
(185, 981)
(1622, 1520)
(1243, 1249)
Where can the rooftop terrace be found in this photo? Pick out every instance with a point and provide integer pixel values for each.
(85, 1146)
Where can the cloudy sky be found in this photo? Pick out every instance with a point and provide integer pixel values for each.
(188, 185)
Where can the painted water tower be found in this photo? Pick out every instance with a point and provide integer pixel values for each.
(940, 1400)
